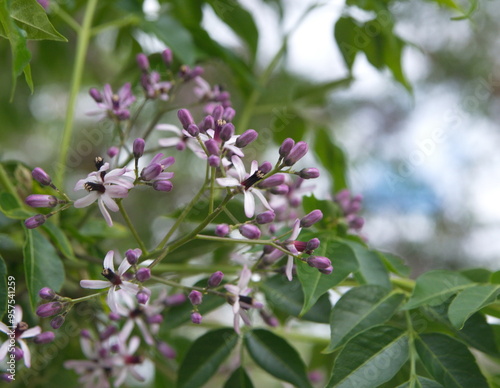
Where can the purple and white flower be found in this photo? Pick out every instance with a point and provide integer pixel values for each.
(113, 105)
(21, 332)
(245, 182)
(103, 187)
(290, 245)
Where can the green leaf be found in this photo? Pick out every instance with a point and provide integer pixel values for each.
(59, 239)
(345, 36)
(277, 357)
(33, 19)
(331, 157)
(478, 275)
(294, 126)
(3, 288)
(288, 297)
(371, 358)
(314, 283)
(395, 264)
(422, 382)
(239, 20)
(21, 56)
(371, 269)
(434, 287)
(239, 379)
(43, 268)
(360, 308)
(449, 361)
(11, 207)
(205, 356)
(470, 300)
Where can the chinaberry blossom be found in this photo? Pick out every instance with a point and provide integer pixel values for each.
(21, 332)
(115, 281)
(245, 183)
(240, 300)
(155, 175)
(103, 187)
(113, 105)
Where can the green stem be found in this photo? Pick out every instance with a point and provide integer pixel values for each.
(65, 17)
(131, 227)
(188, 288)
(81, 52)
(212, 190)
(404, 284)
(88, 297)
(413, 350)
(196, 269)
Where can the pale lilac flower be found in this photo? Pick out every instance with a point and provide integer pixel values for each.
(180, 140)
(21, 332)
(290, 245)
(125, 361)
(114, 105)
(103, 187)
(154, 87)
(245, 182)
(115, 281)
(240, 299)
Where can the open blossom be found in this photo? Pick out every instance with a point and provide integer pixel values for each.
(180, 140)
(291, 247)
(246, 182)
(103, 187)
(21, 332)
(240, 299)
(114, 105)
(115, 281)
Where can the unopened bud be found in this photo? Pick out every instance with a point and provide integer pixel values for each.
(166, 350)
(279, 190)
(212, 147)
(142, 62)
(222, 230)
(319, 262)
(44, 338)
(41, 176)
(133, 255)
(195, 297)
(227, 131)
(47, 293)
(163, 185)
(196, 317)
(269, 319)
(309, 173)
(286, 147)
(213, 161)
(272, 181)
(138, 147)
(229, 114)
(249, 231)
(312, 244)
(112, 151)
(96, 95)
(151, 171)
(142, 296)
(296, 153)
(174, 300)
(193, 130)
(41, 200)
(108, 332)
(143, 274)
(215, 279)
(208, 123)
(246, 138)
(167, 57)
(185, 118)
(49, 309)
(57, 322)
(265, 218)
(326, 271)
(265, 167)
(311, 218)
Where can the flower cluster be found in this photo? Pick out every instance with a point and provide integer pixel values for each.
(350, 206)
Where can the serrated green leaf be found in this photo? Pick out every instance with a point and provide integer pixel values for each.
(371, 358)
(43, 268)
(359, 309)
(3, 288)
(277, 357)
(331, 157)
(421, 382)
(59, 239)
(239, 379)
(470, 300)
(434, 287)
(288, 297)
(205, 356)
(449, 361)
(33, 19)
(371, 269)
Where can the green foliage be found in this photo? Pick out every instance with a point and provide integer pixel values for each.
(3, 287)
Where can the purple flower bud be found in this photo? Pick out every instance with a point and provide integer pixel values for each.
(222, 230)
(138, 147)
(246, 138)
(143, 274)
(41, 200)
(312, 244)
(96, 95)
(226, 131)
(268, 249)
(108, 332)
(18, 354)
(280, 190)
(265, 218)
(229, 114)
(355, 205)
(269, 319)
(41, 176)
(196, 317)
(319, 262)
(309, 173)
(151, 171)
(196, 72)
(142, 297)
(249, 231)
(212, 147)
(167, 56)
(57, 322)
(193, 130)
(355, 222)
(7, 377)
(208, 123)
(47, 293)
(142, 62)
(85, 334)
(185, 118)
(163, 185)
(166, 350)
(133, 255)
(217, 113)
(155, 319)
(174, 300)
(195, 297)
(112, 151)
(272, 181)
(265, 167)
(286, 147)
(114, 316)
(296, 153)
(49, 309)
(213, 161)
(326, 271)
(316, 376)
(311, 218)
(215, 279)
(44, 338)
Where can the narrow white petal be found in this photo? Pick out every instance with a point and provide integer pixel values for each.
(239, 167)
(124, 266)
(4, 329)
(31, 332)
(133, 345)
(105, 213)
(168, 142)
(89, 199)
(4, 349)
(95, 284)
(168, 128)
(237, 151)
(249, 204)
(27, 353)
(130, 287)
(109, 202)
(289, 268)
(108, 262)
(228, 182)
(254, 166)
(245, 276)
(111, 300)
(262, 198)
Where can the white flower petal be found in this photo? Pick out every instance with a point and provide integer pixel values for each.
(27, 353)
(262, 198)
(249, 204)
(105, 213)
(89, 199)
(95, 284)
(4, 349)
(168, 128)
(235, 150)
(239, 167)
(31, 332)
(124, 266)
(4, 329)
(289, 268)
(108, 262)
(109, 202)
(228, 182)
(168, 142)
